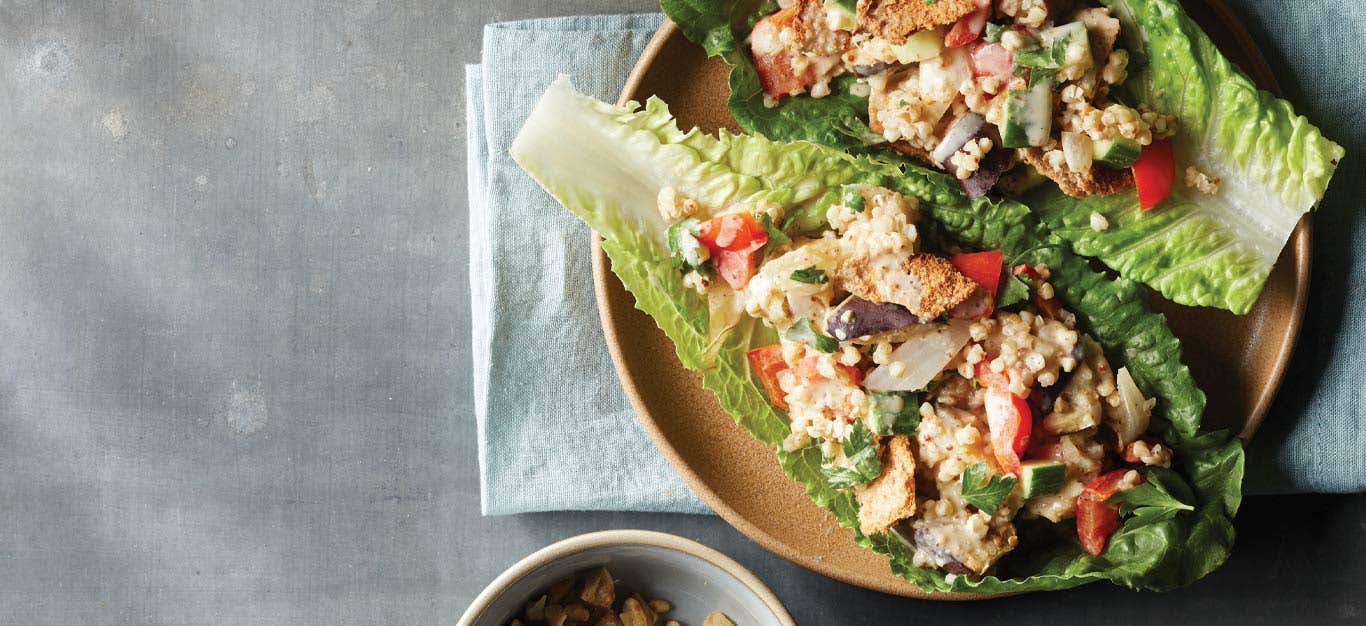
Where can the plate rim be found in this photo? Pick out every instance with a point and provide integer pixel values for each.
(1300, 240)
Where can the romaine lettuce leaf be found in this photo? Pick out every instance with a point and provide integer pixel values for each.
(1195, 249)
(606, 165)
(720, 27)
(1272, 164)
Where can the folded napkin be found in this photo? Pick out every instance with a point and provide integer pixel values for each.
(555, 431)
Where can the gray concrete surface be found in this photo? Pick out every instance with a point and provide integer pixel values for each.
(234, 350)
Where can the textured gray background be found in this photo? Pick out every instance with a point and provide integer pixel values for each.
(234, 381)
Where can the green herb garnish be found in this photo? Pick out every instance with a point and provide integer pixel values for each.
(864, 464)
(986, 492)
(1011, 291)
(810, 276)
(993, 32)
(1151, 500)
(776, 237)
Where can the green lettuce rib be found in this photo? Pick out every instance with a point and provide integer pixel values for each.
(606, 165)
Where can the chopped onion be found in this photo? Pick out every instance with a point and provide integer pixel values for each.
(967, 127)
(942, 76)
(1134, 414)
(1078, 150)
(927, 350)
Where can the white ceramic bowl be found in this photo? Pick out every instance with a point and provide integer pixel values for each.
(695, 578)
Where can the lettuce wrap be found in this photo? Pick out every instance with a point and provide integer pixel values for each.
(606, 164)
(1195, 248)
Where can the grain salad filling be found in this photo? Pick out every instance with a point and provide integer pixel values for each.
(992, 91)
(947, 389)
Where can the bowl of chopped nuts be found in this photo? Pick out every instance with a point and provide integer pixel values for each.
(626, 578)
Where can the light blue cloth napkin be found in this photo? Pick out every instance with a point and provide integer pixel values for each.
(555, 430)
(557, 434)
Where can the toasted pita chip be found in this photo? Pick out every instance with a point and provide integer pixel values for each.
(1100, 180)
(895, 20)
(890, 498)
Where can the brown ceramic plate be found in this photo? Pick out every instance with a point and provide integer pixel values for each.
(1239, 361)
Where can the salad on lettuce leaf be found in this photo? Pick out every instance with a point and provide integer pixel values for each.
(945, 377)
(1160, 157)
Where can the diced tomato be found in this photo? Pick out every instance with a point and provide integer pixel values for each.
(767, 362)
(807, 370)
(1024, 269)
(1153, 173)
(969, 27)
(773, 60)
(734, 241)
(1096, 518)
(991, 59)
(733, 232)
(1010, 423)
(736, 268)
(984, 268)
(988, 378)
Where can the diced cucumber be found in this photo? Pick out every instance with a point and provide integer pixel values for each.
(1029, 116)
(925, 44)
(686, 250)
(1117, 152)
(1040, 478)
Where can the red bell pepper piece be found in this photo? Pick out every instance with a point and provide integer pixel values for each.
(1010, 422)
(1154, 172)
(734, 241)
(767, 362)
(984, 268)
(1096, 518)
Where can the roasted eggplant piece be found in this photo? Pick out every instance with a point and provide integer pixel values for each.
(856, 317)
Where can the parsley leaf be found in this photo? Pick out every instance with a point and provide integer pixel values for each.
(986, 493)
(810, 276)
(993, 32)
(864, 463)
(776, 237)
(894, 413)
(1012, 291)
(1042, 62)
(1151, 500)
